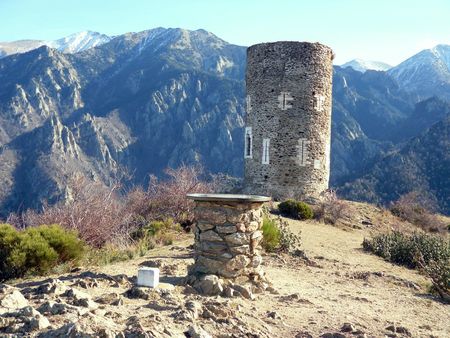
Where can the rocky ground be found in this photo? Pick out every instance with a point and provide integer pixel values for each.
(337, 290)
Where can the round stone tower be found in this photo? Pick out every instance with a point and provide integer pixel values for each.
(288, 124)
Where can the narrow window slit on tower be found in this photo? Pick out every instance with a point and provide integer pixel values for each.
(265, 154)
(303, 153)
(248, 142)
(318, 102)
(248, 102)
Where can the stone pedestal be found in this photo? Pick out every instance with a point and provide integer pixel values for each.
(228, 232)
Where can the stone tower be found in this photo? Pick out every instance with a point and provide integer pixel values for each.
(288, 124)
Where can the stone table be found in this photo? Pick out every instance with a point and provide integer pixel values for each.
(228, 232)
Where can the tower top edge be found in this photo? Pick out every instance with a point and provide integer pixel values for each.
(290, 45)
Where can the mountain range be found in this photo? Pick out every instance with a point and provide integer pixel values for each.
(143, 101)
(363, 65)
(70, 44)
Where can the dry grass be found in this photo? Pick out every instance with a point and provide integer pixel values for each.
(93, 210)
(331, 209)
(167, 198)
(418, 209)
(105, 215)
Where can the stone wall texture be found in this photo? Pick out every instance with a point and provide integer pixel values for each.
(287, 151)
(227, 239)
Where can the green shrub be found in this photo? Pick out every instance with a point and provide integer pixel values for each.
(277, 237)
(157, 231)
(289, 242)
(429, 253)
(36, 249)
(9, 240)
(66, 243)
(402, 249)
(439, 273)
(33, 254)
(153, 228)
(287, 207)
(271, 235)
(296, 209)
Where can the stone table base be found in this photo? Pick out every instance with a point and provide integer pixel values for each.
(228, 233)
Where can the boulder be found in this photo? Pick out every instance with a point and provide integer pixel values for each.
(274, 315)
(79, 298)
(87, 283)
(210, 236)
(237, 263)
(244, 291)
(209, 285)
(135, 329)
(53, 287)
(25, 320)
(110, 299)
(240, 250)
(218, 310)
(241, 227)
(11, 299)
(256, 261)
(399, 329)
(348, 327)
(137, 292)
(227, 228)
(256, 235)
(213, 247)
(237, 238)
(207, 265)
(252, 226)
(72, 330)
(204, 226)
(191, 311)
(54, 308)
(196, 331)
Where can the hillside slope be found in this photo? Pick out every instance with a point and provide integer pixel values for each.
(139, 103)
(422, 164)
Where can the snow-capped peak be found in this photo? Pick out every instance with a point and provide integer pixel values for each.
(432, 64)
(442, 52)
(70, 44)
(363, 65)
(78, 42)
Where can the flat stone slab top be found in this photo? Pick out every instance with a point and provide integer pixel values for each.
(228, 198)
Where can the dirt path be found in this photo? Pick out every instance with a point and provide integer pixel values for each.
(355, 287)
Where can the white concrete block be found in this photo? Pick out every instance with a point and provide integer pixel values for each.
(148, 277)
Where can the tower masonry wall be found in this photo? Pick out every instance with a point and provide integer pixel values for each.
(288, 121)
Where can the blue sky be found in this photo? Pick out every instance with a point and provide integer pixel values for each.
(380, 30)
